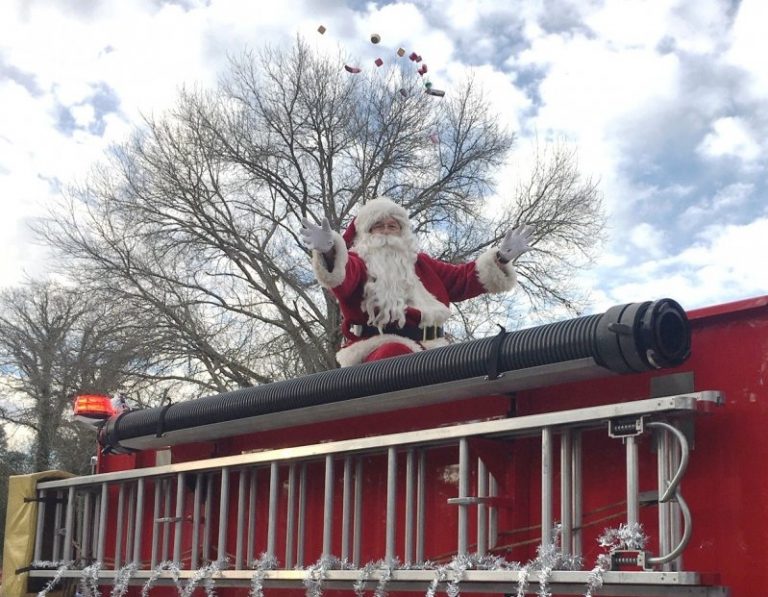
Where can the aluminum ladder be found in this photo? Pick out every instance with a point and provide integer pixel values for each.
(103, 518)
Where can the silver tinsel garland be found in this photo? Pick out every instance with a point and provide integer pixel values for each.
(627, 536)
(122, 578)
(61, 567)
(441, 573)
(204, 574)
(318, 572)
(595, 576)
(386, 568)
(261, 565)
(89, 580)
(548, 559)
(522, 581)
(365, 574)
(167, 566)
(459, 565)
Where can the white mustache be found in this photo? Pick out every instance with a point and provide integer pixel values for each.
(385, 240)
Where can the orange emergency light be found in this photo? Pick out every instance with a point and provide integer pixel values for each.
(92, 408)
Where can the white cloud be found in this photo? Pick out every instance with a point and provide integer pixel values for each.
(464, 13)
(504, 97)
(724, 205)
(83, 114)
(726, 262)
(730, 137)
(142, 50)
(689, 26)
(602, 98)
(648, 239)
(400, 25)
(623, 80)
(749, 44)
(630, 23)
(139, 52)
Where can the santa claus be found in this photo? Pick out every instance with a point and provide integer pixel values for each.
(394, 299)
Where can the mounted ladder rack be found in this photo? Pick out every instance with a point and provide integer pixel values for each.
(228, 509)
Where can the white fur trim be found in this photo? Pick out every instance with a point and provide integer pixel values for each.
(378, 209)
(331, 279)
(436, 343)
(494, 278)
(433, 312)
(355, 353)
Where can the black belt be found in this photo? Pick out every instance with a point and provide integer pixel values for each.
(410, 331)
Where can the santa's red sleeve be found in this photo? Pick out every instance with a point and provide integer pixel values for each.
(347, 272)
(468, 280)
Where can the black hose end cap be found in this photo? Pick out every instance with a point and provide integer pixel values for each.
(665, 334)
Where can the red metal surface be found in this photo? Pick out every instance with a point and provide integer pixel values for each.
(757, 302)
(726, 485)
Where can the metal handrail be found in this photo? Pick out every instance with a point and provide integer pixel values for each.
(684, 457)
(672, 492)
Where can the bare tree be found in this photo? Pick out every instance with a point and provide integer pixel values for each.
(196, 217)
(54, 343)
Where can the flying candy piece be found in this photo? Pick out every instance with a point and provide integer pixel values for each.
(321, 29)
(428, 84)
(413, 56)
(401, 52)
(351, 69)
(378, 62)
(422, 69)
(436, 92)
(404, 93)
(375, 38)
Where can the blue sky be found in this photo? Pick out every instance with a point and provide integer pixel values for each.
(667, 103)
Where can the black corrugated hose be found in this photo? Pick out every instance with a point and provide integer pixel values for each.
(627, 338)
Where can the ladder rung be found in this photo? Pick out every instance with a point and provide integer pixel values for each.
(494, 502)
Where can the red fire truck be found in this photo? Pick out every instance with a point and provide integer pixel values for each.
(612, 454)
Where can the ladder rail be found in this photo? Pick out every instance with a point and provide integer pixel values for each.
(529, 425)
(566, 491)
(547, 474)
(38, 549)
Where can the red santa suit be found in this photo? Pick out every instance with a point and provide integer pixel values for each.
(394, 299)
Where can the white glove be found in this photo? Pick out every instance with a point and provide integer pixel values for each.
(318, 238)
(515, 243)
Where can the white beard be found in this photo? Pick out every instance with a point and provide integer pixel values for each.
(392, 283)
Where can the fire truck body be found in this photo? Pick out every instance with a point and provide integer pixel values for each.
(490, 492)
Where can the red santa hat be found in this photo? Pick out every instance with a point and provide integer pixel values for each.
(372, 212)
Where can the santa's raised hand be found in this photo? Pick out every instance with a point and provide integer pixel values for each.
(515, 243)
(318, 238)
